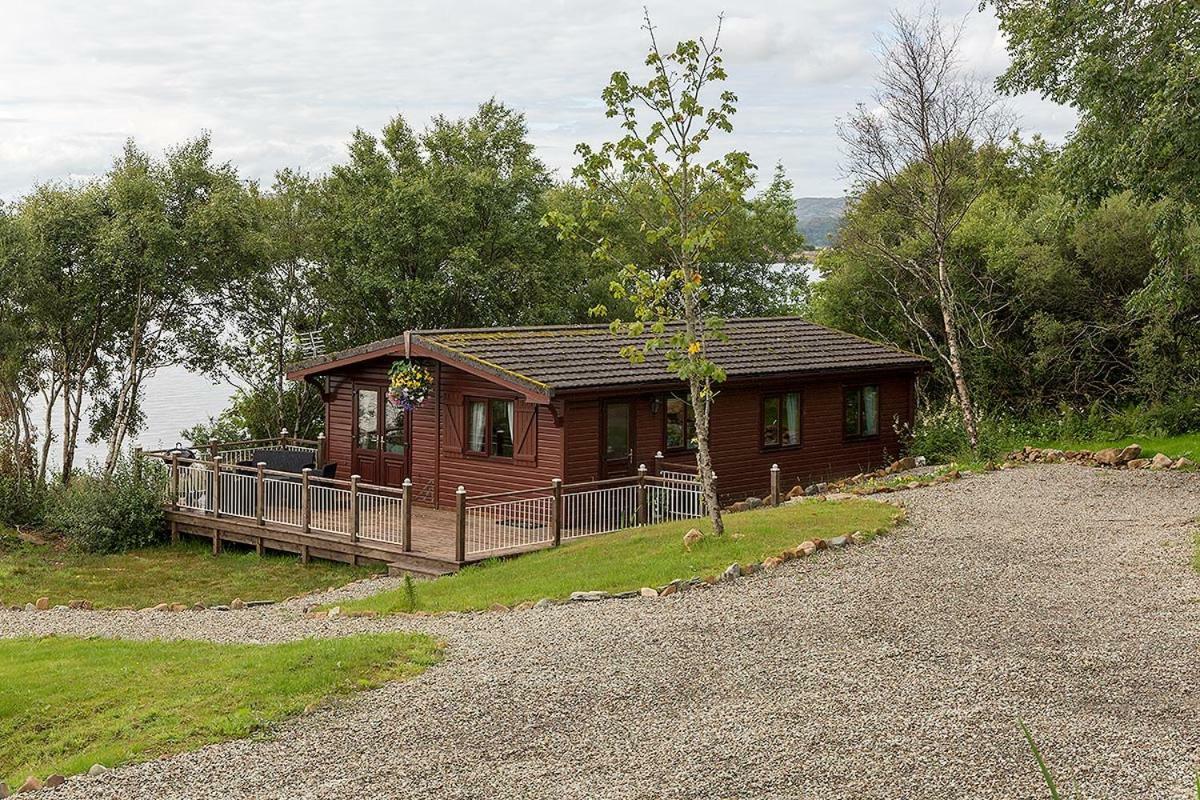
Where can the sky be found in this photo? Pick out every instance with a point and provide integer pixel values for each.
(284, 84)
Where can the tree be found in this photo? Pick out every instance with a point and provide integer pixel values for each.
(655, 176)
(176, 235)
(925, 149)
(434, 229)
(1130, 69)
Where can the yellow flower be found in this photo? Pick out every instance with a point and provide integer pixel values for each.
(693, 348)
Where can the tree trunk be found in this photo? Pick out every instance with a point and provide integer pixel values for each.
(701, 403)
(954, 354)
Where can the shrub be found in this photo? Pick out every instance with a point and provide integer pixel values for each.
(109, 515)
(22, 502)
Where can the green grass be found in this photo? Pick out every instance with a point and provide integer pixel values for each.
(1173, 446)
(630, 559)
(183, 573)
(68, 703)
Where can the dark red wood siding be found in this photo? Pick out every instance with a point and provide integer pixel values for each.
(568, 434)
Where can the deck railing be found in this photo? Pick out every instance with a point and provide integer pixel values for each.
(486, 525)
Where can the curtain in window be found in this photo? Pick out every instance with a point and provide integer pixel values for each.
(477, 427)
(870, 410)
(791, 419)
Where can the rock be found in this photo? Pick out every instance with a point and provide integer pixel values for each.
(220, 608)
(646, 591)
(1052, 456)
(753, 502)
(1129, 453)
(1161, 461)
(334, 612)
(806, 548)
(668, 590)
(589, 597)
(42, 604)
(815, 488)
(259, 603)
(691, 537)
(528, 604)
(736, 508)
(1138, 463)
(31, 784)
(731, 572)
(1109, 456)
(749, 569)
(498, 607)
(177, 607)
(794, 492)
(30, 607)
(54, 780)
(919, 461)
(237, 604)
(858, 537)
(545, 602)
(1183, 462)
(75, 605)
(161, 607)
(820, 544)
(97, 769)
(903, 464)
(771, 563)
(3, 790)
(838, 496)
(198, 607)
(839, 541)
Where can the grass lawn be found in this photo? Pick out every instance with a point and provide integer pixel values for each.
(183, 573)
(1173, 446)
(68, 703)
(631, 559)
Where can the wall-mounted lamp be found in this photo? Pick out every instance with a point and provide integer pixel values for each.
(655, 404)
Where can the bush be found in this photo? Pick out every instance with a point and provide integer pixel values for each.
(21, 502)
(109, 515)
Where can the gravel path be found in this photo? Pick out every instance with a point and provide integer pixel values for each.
(1061, 595)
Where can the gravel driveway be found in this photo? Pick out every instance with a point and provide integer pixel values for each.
(1061, 595)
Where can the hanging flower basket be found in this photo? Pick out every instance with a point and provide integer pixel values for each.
(410, 384)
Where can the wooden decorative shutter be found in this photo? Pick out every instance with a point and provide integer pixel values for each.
(525, 433)
(452, 424)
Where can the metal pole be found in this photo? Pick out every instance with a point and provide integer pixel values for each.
(260, 492)
(354, 508)
(642, 508)
(658, 463)
(320, 449)
(283, 436)
(305, 500)
(460, 532)
(774, 484)
(406, 531)
(556, 510)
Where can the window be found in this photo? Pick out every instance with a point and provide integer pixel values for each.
(393, 429)
(490, 427)
(368, 419)
(862, 411)
(681, 424)
(617, 437)
(781, 420)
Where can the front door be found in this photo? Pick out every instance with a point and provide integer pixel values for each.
(381, 438)
(617, 439)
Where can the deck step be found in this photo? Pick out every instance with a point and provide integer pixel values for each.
(420, 566)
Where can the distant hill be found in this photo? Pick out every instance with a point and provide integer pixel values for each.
(818, 217)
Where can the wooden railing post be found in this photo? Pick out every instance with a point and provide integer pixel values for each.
(321, 450)
(774, 484)
(643, 511)
(213, 448)
(406, 530)
(556, 510)
(460, 530)
(283, 437)
(658, 463)
(305, 500)
(260, 492)
(215, 500)
(354, 522)
(175, 480)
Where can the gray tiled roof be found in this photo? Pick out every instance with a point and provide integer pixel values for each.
(562, 358)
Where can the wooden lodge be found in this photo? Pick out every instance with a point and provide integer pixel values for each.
(532, 436)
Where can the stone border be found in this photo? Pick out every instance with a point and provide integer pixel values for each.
(732, 572)
(1129, 457)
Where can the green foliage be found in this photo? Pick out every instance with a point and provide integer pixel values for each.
(109, 514)
(257, 414)
(1047, 776)
(118, 702)
(22, 501)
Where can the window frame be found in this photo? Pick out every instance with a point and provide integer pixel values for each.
(689, 426)
(779, 396)
(847, 390)
(487, 427)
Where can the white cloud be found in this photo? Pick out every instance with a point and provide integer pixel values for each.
(285, 83)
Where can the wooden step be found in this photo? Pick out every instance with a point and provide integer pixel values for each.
(420, 566)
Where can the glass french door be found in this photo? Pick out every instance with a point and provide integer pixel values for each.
(617, 438)
(381, 438)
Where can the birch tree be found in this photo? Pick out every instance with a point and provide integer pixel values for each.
(923, 147)
(657, 175)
